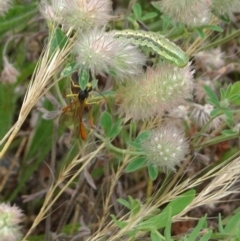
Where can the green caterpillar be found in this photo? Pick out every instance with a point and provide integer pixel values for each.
(158, 43)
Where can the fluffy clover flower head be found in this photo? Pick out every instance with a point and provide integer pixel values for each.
(78, 14)
(226, 7)
(166, 147)
(193, 13)
(211, 59)
(200, 115)
(10, 217)
(9, 74)
(102, 53)
(159, 89)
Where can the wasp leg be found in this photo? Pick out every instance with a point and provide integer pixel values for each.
(72, 95)
(74, 85)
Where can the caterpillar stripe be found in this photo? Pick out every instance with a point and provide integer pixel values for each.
(158, 43)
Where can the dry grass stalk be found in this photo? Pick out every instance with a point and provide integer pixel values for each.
(198, 43)
(114, 179)
(50, 199)
(221, 185)
(46, 68)
(13, 164)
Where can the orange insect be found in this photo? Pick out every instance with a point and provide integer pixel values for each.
(73, 113)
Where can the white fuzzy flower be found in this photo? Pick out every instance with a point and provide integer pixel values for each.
(200, 116)
(211, 59)
(190, 12)
(102, 53)
(226, 7)
(166, 148)
(10, 217)
(78, 14)
(9, 73)
(179, 112)
(159, 89)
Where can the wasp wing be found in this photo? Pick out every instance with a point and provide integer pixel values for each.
(72, 115)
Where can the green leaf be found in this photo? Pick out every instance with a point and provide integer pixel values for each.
(228, 113)
(156, 222)
(165, 23)
(83, 79)
(71, 227)
(26, 72)
(206, 236)
(195, 233)
(36, 238)
(136, 164)
(94, 83)
(212, 97)
(233, 224)
(218, 139)
(156, 5)
(61, 38)
(227, 91)
(58, 40)
(149, 16)
(152, 172)
(167, 231)
(106, 122)
(116, 128)
(38, 148)
(234, 99)
(143, 136)
(213, 27)
(156, 236)
(112, 73)
(228, 132)
(225, 19)
(124, 202)
(69, 69)
(18, 17)
(134, 144)
(220, 225)
(120, 224)
(229, 122)
(135, 206)
(137, 10)
(222, 93)
(172, 209)
(181, 202)
(216, 112)
(235, 91)
(7, 107)
(201, 33)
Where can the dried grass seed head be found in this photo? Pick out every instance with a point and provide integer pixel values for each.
(159, 89)
(102, 53)
(166, 147)
(78, 14)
